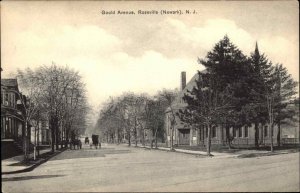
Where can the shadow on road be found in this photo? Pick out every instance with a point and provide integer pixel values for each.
(29, 178)
(88, 153)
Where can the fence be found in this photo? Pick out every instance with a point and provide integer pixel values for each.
(290, 140)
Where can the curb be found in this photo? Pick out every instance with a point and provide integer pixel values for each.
(204, 155)
(30, 168)
(174, 150)
(256, 155)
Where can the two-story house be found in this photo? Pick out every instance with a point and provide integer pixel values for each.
(12, 121)
(11, 110)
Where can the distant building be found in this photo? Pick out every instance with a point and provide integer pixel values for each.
(42, 133)
(242, 136)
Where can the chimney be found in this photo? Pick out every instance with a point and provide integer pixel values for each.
(183, 80)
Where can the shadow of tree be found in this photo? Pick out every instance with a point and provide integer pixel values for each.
(88, 153)
(29, 178)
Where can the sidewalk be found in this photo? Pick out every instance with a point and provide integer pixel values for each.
(239, 154)
(15, 165)
(201, 153)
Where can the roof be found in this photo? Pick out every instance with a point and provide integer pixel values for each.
(9, 82)
(178, 103)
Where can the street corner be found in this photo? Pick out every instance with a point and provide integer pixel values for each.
(11, 166)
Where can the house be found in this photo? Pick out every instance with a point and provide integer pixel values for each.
(41, 131)
(242, 136)
(11, 110)
(12, 123)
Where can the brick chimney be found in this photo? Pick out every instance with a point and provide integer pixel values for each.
(183, 80)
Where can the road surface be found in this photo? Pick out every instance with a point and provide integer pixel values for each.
(119, 168)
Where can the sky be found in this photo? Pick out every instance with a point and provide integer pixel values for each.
(141, 53)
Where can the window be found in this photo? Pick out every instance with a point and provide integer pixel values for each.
(206, 132)
(266, 131)
(13, 100)
(214, 132)
(246, 131)
(6, 99)
(240, 132)
(272, 132)
(9, 99)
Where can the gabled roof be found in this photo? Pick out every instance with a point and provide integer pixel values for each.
(178, 103)
(11, 84)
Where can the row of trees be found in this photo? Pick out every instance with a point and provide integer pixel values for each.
(236, 90)
(135, 118)
(54, 94)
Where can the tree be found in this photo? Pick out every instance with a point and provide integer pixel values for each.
(154, 117)
(261, 89)
(116, 116)
(134, 114)
(272, 91)
(168, 96)
(205, 104)
(284, 95)
(73, 110)
(32, 103)
(58, 92)
(218, 98)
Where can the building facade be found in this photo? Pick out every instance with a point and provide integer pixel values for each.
(11, 110)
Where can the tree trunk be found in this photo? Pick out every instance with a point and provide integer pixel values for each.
(25, 144)
(202, 135)
(61, 137)
(279, 135)
(35, 144)
(151, 143)
(171, 143)
(38, 140)
(28, 139)
(117, 136)
(67, 136)
(129, 142)
(208, 139)
(135, 136)
(144, 137)
(166, 134)
(135, 132)
(51, 124)
(155, 139)
(256, 135)
(222, 134)
(271, 119)
(228, 136)
(56, 137)
(271, 133)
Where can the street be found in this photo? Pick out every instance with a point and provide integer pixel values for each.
(120, 168)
